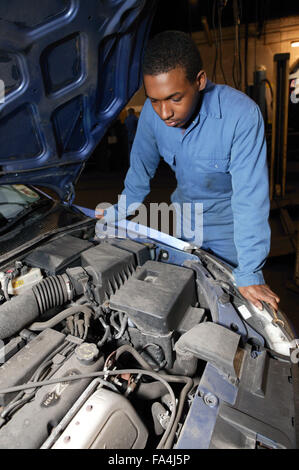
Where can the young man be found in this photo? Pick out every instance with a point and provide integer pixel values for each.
(212, 136)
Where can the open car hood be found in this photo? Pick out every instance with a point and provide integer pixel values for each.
(68, 68)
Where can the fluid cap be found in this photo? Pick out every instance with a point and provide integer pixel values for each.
(87, 353)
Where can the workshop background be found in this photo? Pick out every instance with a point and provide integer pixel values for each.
(251, 45)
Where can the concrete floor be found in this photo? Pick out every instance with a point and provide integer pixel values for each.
(95, 187)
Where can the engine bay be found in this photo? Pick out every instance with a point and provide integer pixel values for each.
(105, 345)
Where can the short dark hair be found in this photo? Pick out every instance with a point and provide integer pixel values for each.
(169, 50)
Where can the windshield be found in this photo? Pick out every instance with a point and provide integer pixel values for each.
(14, 199)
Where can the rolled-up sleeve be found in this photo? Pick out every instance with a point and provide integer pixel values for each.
(250, 199)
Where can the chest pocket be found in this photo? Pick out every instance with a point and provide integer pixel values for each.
(211, 164)
(195, 164)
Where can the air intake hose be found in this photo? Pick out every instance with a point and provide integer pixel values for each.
(23, 309)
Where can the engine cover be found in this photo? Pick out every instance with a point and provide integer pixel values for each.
(107, 420)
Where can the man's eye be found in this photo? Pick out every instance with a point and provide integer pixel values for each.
(176, 100)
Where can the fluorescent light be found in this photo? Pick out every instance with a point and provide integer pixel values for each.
(295, 44)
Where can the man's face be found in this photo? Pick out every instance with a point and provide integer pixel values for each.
(173, 96)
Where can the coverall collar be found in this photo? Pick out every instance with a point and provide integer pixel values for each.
(210, 105)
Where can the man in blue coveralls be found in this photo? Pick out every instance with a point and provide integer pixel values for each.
(212, 136)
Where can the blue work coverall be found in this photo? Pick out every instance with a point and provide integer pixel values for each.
(219, 161)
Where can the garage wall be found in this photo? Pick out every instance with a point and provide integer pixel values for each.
(276, 38)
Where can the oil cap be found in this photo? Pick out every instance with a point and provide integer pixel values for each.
(87, 353)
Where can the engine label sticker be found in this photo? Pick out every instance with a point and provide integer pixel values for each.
(244, 312)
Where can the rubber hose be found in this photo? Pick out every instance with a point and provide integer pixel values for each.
(185, 363)
(134, 353)
(23, 309)
(150, 391)
(168, 437)
(51, 292)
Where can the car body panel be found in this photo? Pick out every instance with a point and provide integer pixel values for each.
(69, 67)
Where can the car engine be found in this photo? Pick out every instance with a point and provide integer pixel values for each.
(104, 346)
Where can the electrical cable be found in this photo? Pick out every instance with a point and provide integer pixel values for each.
(163, 363)
(171, 378)
(19, 399)
(123, 326)
(13, 407)
(246, 54)
(183, 394)
(113, 322)
(168, 436)
(237, 68)
(239, 50)
(106, 373)
(106, 333)
(74, 309)
(57, 430)
(220, 9)
(214, 73)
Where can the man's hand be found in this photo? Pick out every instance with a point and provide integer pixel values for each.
(99, 213)
(256, 293)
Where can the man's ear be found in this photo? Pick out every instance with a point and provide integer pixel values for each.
(201, 80)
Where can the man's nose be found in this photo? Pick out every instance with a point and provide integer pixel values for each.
(165, 111)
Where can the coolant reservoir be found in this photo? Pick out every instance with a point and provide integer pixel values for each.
(20, 283)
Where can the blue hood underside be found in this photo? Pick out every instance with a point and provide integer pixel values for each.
(68, 67)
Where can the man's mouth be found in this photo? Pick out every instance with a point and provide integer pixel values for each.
(171, 123)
